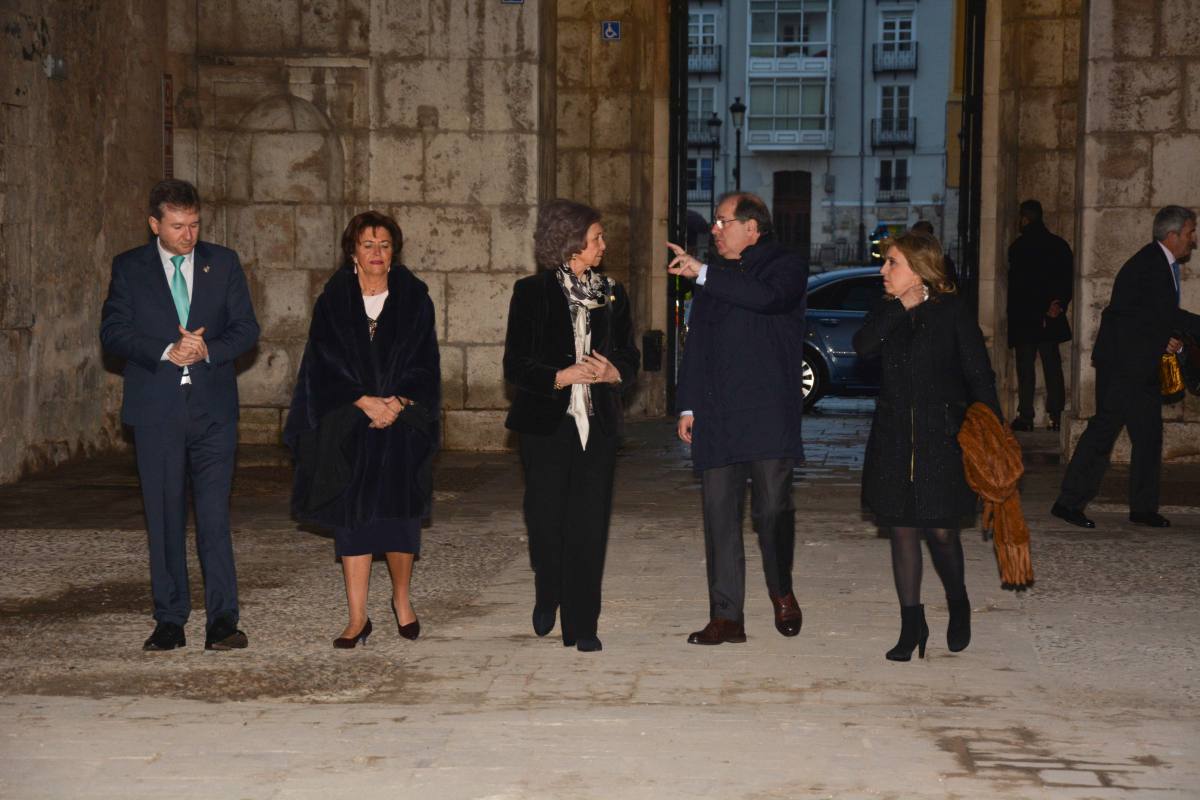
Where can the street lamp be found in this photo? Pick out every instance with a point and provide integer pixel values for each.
(737, 113)
(714, 138)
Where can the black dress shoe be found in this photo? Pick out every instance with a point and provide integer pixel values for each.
(350, 642)
(166, 636)
(788, 617)
(1055, 422)
(589, 644)
(1071, 515)
(1022, 424)
(543, 621)
(1150, 518)
(224, 635)
(719, 631)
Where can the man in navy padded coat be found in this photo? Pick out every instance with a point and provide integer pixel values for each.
(740, 402)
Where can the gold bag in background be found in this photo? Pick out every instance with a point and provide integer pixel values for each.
(1170, 378)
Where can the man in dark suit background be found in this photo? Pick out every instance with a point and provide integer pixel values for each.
(1142, 321)
(741, 400)
(1040, 285)
(178, 312)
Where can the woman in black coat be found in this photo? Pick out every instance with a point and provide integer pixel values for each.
(363, 424)
(569, 354)
(934, 365)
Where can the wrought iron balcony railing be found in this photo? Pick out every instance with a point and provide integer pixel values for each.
(894, 132)
(895, 57)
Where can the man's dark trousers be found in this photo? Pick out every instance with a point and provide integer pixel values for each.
(1056, 395)
(1138, 408)
(723, 492)
(188, 442)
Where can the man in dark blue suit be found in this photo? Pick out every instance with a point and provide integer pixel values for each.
(1142, 321)
(178, 312)
(740, 401)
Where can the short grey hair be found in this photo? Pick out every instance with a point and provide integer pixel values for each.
(1171, 219)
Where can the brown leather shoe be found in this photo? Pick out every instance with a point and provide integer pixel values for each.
(788, 617)
(719, 631)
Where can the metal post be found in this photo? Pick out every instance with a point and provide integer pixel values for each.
(737, 161)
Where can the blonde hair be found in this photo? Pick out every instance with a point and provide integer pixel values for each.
(925, 258)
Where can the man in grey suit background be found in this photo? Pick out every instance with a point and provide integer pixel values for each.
(178, 312)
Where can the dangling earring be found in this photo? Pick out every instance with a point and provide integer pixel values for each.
(355, 266)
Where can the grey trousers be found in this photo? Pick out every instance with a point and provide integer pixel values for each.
(723, 491)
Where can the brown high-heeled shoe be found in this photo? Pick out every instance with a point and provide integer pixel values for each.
(410, 631)
(350, 642)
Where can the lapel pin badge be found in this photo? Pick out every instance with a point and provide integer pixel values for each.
(206, 268)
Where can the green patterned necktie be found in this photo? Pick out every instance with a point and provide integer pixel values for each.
(179, 290)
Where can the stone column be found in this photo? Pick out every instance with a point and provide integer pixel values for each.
(1139, 140)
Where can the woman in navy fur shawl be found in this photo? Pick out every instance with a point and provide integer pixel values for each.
(363, 423)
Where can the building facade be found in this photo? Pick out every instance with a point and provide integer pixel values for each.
(846, 115)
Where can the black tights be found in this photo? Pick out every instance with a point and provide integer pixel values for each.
(945, 549)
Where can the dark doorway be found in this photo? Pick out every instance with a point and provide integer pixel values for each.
(971, 152)
(792, 208)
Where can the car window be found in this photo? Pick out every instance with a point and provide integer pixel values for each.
(862, 294)
(851, 294)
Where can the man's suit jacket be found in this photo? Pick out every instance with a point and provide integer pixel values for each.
(742, 363)
(540, 341)
(1040, 271)
(1141, 316)
(139, 321)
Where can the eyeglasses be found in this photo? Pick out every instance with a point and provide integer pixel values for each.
(721, 223)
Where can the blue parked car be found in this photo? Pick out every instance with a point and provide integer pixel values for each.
(837, 303)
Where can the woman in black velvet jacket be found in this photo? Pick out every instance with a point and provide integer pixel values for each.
(569, 354)
(934, 366)
(363, 423)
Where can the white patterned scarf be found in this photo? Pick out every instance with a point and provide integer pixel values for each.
(583, 294)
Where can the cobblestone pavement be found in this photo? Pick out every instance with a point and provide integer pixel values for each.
(1083, 687)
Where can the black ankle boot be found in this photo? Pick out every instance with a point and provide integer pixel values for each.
(913, 633)
(958, 632)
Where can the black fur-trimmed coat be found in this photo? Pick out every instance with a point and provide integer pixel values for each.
(348, 474)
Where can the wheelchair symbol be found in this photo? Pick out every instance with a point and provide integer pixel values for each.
(610, 30)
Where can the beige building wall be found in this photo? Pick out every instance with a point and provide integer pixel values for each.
(456, 116)
(1094, 109)
(79, 148)
(1139, 150)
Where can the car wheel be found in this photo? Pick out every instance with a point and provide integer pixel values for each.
(812, 380)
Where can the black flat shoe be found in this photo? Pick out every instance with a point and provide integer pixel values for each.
(166, 636)
(350, 642)
(410, 631)
(1150, 519)
(224, 635)
(589, 644)
(1072, 516)
(543, 621)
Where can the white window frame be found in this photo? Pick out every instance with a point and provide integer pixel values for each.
(801, 83)
(893, 162)
(806, 47)
(896, 16)
(695, 173)
(703, 21)
(883, 90)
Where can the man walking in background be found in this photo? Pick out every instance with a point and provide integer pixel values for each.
(1040, 285)
(1142, 321)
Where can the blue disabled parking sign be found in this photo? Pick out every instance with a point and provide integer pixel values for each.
(610, 30)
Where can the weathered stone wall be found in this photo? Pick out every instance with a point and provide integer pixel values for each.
(78, 153)
(1139, 150)
(302, 114)
(1032, 57)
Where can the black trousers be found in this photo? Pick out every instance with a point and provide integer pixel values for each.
(189, 445)
(723, 491)
(568, 502)
(1056, 395)
(1137, 408)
